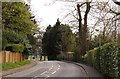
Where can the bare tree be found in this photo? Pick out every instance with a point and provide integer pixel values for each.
(83, 27)
(104, 15)
(116, 2)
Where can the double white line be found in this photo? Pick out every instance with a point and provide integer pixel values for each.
(51, 69)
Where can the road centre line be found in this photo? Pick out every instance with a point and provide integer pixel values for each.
(54, 72)
(51, 67)
(58, 68)
(47, 71)
(43, 73)
(34, 77)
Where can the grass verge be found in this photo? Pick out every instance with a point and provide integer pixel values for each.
(9, 65)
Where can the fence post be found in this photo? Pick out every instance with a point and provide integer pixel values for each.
(12, 57)
(9, 57)
(0, 57)
(4, 57)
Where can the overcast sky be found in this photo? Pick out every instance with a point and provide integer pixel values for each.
(47, 12)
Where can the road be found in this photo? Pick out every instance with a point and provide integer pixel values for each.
(48, 69)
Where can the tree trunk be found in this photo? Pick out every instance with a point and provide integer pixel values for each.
(83, 28)
(80, 30)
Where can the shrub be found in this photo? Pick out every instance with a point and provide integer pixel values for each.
(15, 47)
(106, 59)
(4, 42)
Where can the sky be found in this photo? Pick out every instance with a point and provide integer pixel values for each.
(47, 12)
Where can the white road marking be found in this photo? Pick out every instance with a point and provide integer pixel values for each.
(47, 76)
(54, 72)
(43, 73)
(58, 68)
(34, 77)
(51, 68)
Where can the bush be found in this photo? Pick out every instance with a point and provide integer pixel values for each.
(15, 47)
(106, 59)
(4, 42)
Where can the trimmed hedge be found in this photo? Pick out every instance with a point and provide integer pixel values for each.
(4, 43)
(106, 59)
(14, 47)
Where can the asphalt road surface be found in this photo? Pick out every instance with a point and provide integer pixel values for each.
(51, 70)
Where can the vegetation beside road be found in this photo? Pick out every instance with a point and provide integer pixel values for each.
(106, 59)
(58, 40)
(71, 41)
(19, 27)
(9, 65)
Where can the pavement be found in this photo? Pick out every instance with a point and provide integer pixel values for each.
(53, 69)
(90, 71)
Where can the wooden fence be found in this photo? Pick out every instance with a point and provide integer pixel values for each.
(7, 56)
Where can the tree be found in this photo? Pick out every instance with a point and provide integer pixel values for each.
(116, 2)
(46, 41)
(83, 27)
(99, 40)
(18, 17)
(17, 23)
(68, 38)
(104, 18)
(58, 39)
(101, 15)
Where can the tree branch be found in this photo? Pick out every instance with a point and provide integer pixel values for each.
(116, 2)
(117, 13)
(86, 13)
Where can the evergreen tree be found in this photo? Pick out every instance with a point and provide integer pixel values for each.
(17, 23)
(58, 39)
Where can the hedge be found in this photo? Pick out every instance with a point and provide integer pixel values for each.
(14, 47)
(4, 43)
(106, 59)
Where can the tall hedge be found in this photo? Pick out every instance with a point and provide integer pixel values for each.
(4, 43)
(15, 47)
(106, 59)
